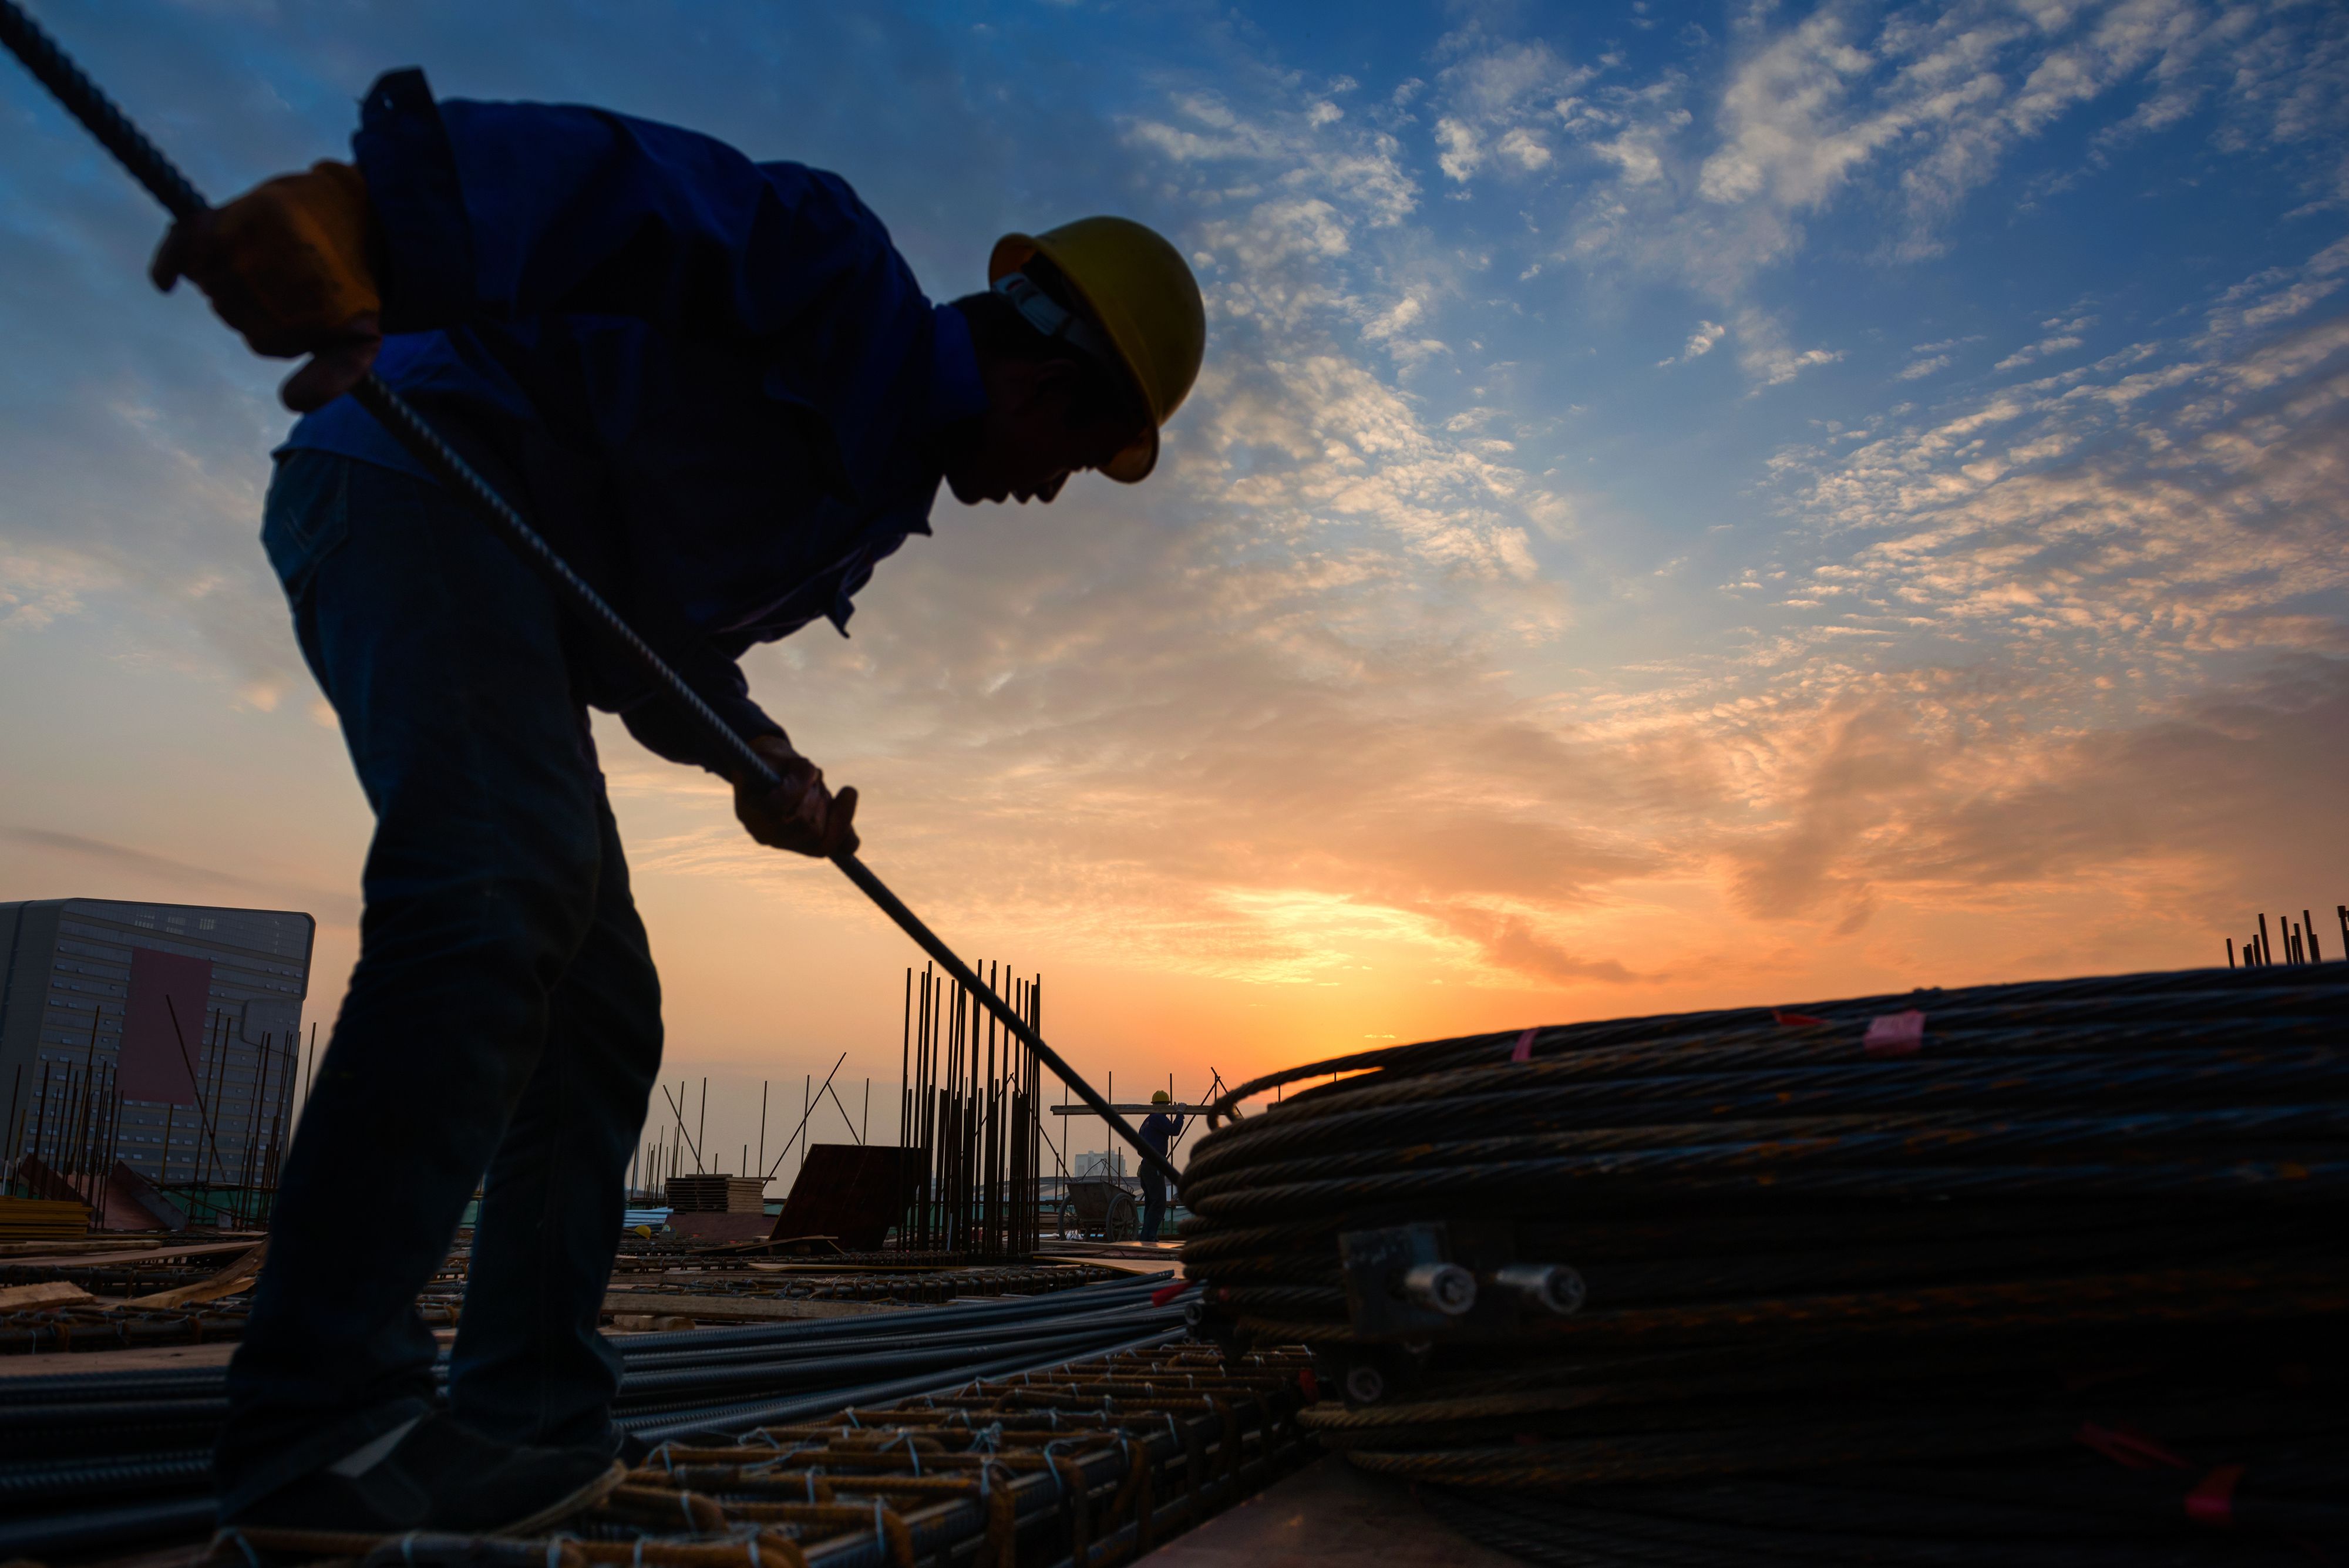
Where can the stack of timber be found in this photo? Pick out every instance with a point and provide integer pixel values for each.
(716, 1194)
(43, 1219)
(2039, 1274)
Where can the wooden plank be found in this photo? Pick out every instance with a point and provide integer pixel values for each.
(17, 1252)
(49, 1293)
(1165, 1262)
(737, 1309)
(69, 1256)
(239, 1275)
(1144, 1109)
(211, 1290)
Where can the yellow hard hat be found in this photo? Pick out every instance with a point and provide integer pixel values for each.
(1142, 292)
(1160, 1097)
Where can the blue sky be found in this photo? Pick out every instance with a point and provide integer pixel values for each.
(1686, 504)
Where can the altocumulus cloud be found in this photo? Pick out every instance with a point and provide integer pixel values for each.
(1430, 635)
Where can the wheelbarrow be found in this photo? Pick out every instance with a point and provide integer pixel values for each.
(1100, 1208)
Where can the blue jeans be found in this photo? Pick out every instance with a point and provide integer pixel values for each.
(502, 1025)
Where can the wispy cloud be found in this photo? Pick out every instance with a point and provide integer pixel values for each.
(168, 877)
(1701, 342)
(2062, 337)
(1450, 641)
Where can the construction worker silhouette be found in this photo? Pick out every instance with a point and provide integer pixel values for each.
(1156, 1128)
(715, 386)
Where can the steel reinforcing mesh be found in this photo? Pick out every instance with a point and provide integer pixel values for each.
(2055, 1272)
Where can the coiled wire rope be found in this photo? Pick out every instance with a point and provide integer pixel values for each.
(2052, 1271)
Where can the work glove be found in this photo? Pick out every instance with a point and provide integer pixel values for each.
(290, 266)
(799, 813)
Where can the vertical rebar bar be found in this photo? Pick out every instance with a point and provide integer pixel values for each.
(225, 1049)
(966, 1097)
(248, 1171)
(1035, 1115)
(950, 1117)
(41, 1115)
(64, 1162)
(932, 1108)
(904, 1083)
(990, 1238)
(910, 1133)
(110, 1153)
(209, 1101)
(934, 1113)
(89, 1077)
(310, 1073)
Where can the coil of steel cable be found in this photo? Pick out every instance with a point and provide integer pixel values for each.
(2052, 1272)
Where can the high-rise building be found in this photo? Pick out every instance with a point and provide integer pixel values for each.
(191, 1014)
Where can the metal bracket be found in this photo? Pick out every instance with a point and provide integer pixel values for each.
(1456, 1281)
(1400, 1282)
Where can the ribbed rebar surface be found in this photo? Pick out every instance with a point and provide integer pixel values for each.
(2050, 1273)
(94, 1460)
(1095, 1460)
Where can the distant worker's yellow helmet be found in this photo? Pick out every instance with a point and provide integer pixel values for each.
(1142, 292)
(1160, 1097)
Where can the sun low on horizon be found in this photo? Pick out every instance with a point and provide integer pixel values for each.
(1686, 506)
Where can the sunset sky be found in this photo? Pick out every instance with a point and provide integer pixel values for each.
(1686, 506)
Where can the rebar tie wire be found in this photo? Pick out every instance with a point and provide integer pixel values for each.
(161, 179)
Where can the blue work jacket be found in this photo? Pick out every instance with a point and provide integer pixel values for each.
(1157, 1128)
(713, 384)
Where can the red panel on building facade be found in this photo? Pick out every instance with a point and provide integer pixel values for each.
(166, 989)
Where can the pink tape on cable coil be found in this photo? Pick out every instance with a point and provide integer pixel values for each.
(1895, 1033)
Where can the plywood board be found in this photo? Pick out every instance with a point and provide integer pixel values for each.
(853, 1192)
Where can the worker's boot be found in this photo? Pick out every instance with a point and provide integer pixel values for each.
(437, 1474)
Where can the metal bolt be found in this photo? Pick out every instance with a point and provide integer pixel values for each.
(1553, 1286)
(1446, 1288)
(1365, 1384)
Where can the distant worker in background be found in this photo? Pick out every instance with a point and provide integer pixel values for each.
(1156, 1128)
(714, 385)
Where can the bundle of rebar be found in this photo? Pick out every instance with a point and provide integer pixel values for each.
(927, 1285)
(1091, 1462)
(2050, 1272)
(99, 1459)
(968, 1112)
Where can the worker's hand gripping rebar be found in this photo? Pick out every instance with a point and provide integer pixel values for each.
(162, 179)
